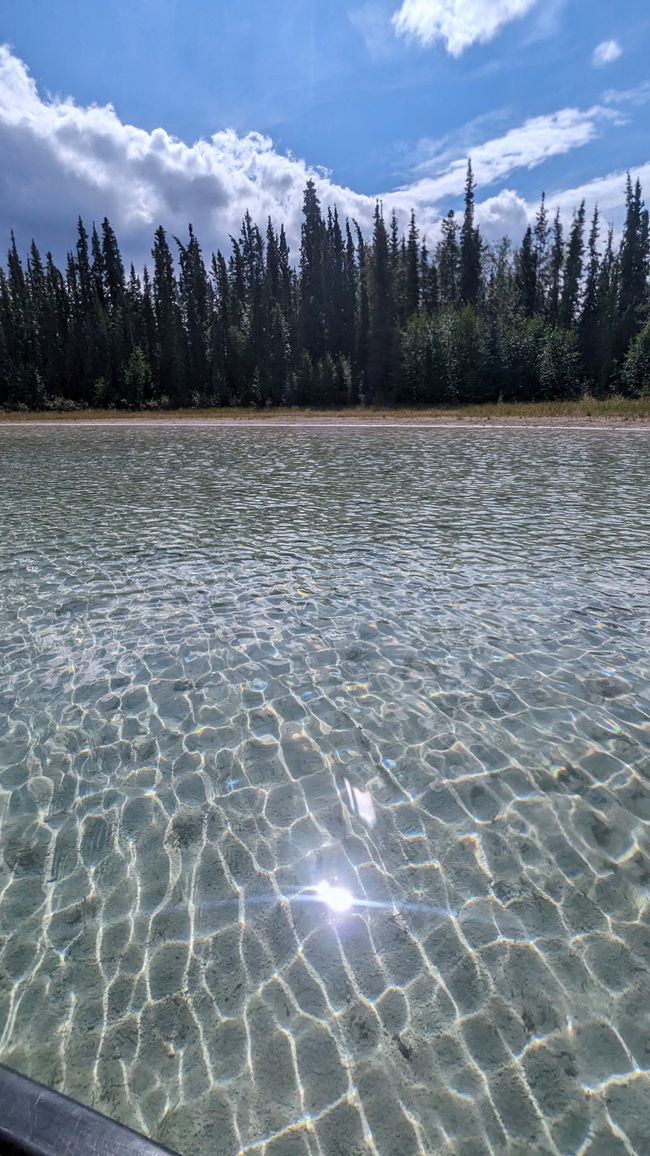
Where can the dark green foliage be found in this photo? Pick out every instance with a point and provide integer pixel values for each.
(413, 271)
(555, 267)
(636, 369)
(168, 356)
(591, 319)
(361, 321)
(137, 379)
(526, 274)
(470, 247)
(312, 297)
(382, 353)
(542, 233)
(449, 262)
(634, 266)
(573, 270)
(558, 365)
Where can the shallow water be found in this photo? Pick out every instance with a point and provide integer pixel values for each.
(249, 678)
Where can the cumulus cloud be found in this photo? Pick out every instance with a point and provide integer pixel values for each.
(607, 192)
(606, 53)
(459, 23)
(508, 213)
(505, 215)
(61, 160)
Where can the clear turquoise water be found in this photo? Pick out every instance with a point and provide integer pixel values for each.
(251, 676)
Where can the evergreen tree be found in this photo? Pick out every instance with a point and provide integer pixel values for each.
(362, 346)
(412, 269)
(113, 267)
(376, 320)
(634, 267)
(382, 337)
(195, 300)
(429, 286)
(97, 268)
(607, 317)
(335, 297)
(470, 246)
(636, 370)
(570, 298)
(312, 305)
(541, 244)
(348, 319)
(170, 370)
(448, 261)
(20, 353)
(526, 274)
(590, 319)
(555, 267)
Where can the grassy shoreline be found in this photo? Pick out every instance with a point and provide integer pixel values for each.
(585, 410)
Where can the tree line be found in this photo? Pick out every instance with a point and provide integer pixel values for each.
(377, 320)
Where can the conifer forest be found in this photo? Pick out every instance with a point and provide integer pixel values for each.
(353, 319)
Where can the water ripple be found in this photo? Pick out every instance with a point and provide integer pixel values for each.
(325, 785)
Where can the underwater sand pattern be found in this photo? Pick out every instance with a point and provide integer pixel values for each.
(240, 667)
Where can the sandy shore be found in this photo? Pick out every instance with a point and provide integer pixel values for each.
(337, 422)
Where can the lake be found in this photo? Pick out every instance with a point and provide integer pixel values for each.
(325, 785)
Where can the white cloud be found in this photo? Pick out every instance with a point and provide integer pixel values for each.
(508, 213)
(459, 23)
(524, 147)
(633, 96)
(607, 192)
(606, 53)
(60, 160)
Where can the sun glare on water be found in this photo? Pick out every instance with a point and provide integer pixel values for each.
(338, 899)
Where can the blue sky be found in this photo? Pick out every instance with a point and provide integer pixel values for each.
(382, 97)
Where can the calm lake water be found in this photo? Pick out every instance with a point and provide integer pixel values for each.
(325, 785)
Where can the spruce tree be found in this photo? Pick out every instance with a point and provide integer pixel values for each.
(448, 261)
(412, 269)
(526, 274)
(195, 299)
(590, 318)
(555, 267)
(382, 338)
(634, 263)
(376, 321)
(569, 301)
(170, 365)
(362, 346)
(312, 305)
(470, 246)
(542, 234)
(429, 285)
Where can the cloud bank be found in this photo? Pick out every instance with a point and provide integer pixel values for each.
(61, 160)
(458, 23)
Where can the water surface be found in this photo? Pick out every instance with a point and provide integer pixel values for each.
(325, 785)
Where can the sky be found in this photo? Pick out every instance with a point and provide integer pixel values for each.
(174, 111)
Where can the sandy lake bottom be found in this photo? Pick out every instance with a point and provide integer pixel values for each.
(325, 785)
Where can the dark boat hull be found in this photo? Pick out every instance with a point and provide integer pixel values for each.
(35, 1121)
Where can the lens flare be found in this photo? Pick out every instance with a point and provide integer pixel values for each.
(338, 899)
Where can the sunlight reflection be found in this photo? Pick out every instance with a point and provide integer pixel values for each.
(361, 803)
(338, 899)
